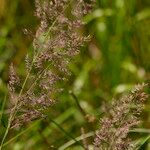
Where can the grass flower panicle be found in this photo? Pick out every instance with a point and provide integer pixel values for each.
(56, 42)
(121, 117)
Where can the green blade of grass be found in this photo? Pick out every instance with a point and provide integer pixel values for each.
(79, 138)
(143, 141)
(140, 130)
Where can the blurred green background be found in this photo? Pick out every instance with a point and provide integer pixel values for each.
(117, 58)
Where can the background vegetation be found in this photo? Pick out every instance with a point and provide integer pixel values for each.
(117, 58)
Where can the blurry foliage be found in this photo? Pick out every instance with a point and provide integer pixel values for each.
(117, 58)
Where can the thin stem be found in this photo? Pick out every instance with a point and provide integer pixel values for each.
(65, 132)
(2, 109)
(4, 137)
(21, 133)
(77, 102)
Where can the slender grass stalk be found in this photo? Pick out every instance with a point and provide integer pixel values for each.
(2, 108)
(65, 132)
(5, 135)
(78, 104)
(21, 133)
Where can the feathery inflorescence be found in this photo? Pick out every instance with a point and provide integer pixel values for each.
(56, 42)
(13, 82)
(122, 116)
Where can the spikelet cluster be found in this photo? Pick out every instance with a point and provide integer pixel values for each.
(13, 82)
(122, 116)
(56, 41)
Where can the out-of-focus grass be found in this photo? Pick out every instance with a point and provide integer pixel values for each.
(116, 59)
